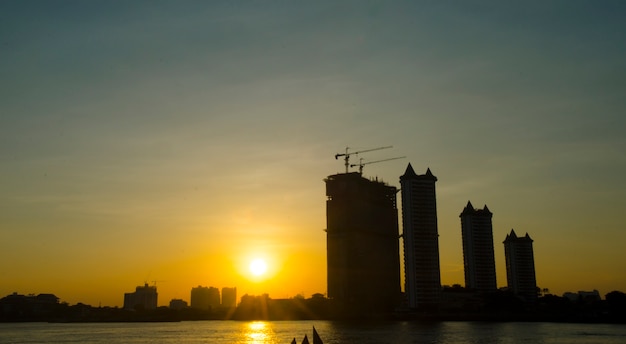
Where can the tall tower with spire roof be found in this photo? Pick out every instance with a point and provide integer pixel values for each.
(478, 256)
(520, 265)
(420, 238)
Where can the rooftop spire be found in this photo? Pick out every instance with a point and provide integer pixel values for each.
(485, 209)
(409, 172)
(469, 209)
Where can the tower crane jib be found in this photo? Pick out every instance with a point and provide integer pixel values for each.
(346, 155)
(361, 163)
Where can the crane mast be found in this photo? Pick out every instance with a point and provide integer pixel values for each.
(346, 155)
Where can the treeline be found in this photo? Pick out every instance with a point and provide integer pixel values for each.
(466, 305)
(461, 305)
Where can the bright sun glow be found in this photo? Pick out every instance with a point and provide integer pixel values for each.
(258, 267)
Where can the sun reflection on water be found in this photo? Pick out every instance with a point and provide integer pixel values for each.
(258, 332)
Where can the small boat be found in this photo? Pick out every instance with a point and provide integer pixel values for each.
(316, 338)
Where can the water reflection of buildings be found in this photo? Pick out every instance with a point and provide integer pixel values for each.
(362, 243)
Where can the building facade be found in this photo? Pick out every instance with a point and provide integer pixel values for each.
(229, 297)
(362, 244)
(143, 298)
(478, 256)
(205, 297)
(178, 304)
(421, 239)
(520, 266)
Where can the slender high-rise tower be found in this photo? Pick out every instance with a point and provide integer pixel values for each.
(421, 239)
(520, 266)
(362, 244)
(478, 256)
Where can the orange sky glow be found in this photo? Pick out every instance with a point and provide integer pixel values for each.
(173, 144)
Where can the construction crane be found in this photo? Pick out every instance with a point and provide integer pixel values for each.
(361, 163)
(346, 155)
(154, 283)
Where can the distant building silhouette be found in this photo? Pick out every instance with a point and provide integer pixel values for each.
(143, 298)
(520, 265)
(229, 297)
(362, 244)
(582, 296)
(205, 297)
(178, 304)
(420, 238)
(17, 307)
(478, 256)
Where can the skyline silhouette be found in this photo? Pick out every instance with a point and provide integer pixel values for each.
(185, 139)
(363, 256)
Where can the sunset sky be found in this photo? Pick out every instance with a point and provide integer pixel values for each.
(176, 141)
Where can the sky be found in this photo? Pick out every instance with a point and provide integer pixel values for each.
(173, 142)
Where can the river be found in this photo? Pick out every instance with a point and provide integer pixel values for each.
(332, 332)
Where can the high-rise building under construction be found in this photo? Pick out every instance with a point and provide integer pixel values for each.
(362, 244)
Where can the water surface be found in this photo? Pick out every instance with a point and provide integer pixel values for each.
(257, 332)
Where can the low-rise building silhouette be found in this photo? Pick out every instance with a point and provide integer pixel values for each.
(16, 305)
(178, 304)
(144, 297)
(583, 296)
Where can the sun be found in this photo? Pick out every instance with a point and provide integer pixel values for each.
(258, 267)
